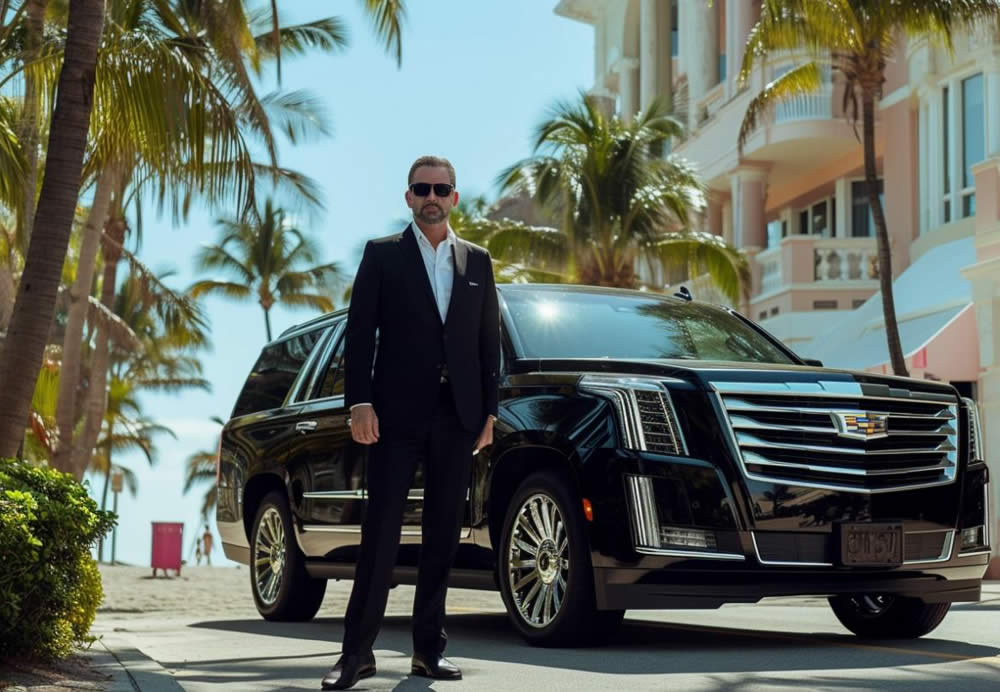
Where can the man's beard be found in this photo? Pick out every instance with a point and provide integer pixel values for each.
(436, 215)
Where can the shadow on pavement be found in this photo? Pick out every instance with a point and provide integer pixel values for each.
(640, 647)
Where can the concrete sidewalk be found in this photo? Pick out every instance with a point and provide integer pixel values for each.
(777, 644)
(129, 668)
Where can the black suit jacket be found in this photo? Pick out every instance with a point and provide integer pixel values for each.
(392, 293)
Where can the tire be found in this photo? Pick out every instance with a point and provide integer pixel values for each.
(884, 616)
(550, 600)
(281, 587)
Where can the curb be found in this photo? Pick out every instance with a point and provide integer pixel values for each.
(130, 669)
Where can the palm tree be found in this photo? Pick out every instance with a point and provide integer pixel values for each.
(470, 219)
(620, 199)
(144, 71)
(855, 38)
(125, 429)
(33, 311)
(273, 261)
(200, 469)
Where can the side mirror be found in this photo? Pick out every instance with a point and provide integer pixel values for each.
(813, 362)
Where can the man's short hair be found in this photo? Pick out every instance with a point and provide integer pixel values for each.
(435, 162)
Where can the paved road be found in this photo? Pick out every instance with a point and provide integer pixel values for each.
(777, 644)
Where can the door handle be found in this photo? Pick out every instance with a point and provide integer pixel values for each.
(305, 426)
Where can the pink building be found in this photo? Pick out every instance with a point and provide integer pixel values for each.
(795, 201)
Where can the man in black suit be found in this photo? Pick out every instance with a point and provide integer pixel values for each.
(432, 399)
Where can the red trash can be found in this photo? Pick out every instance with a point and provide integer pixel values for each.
(167, 542)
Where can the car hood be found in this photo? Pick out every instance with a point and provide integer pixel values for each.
(704, 374)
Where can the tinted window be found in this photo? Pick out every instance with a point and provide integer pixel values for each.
(563, 324)
(332, 383)
(274, 372)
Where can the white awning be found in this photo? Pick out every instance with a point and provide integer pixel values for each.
(932, 297)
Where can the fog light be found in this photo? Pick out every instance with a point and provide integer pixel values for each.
(689, 538)
(973, 537)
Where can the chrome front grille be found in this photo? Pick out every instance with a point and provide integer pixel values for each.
(842, 435)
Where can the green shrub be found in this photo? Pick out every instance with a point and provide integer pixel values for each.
(49, 584)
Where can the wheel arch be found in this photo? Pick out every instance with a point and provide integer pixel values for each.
(257, 487)
(516, 464)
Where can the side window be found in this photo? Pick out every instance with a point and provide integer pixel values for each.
(332, 382)
(274, 373)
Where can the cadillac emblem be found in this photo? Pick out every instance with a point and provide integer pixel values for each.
(861, 425)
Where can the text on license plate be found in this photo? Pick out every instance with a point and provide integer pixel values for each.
(871, 544)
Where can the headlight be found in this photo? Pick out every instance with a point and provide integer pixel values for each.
(976, 452)
(645, 412)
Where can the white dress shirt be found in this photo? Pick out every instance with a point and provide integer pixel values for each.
(440, 265)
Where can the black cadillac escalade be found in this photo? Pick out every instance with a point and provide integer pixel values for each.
(651, 452)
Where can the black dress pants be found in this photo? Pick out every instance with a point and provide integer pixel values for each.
(446, 452)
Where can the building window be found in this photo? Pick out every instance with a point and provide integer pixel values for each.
(973, 138)
(862, 221)
(946, 164)
(675, 48)
(763, 315)
(824, 305)
(776, 230)
(722, 67)
(857, 303)
(963, 135)
(774, 311)
(819, 218)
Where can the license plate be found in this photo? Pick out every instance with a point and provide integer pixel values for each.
(871, 544)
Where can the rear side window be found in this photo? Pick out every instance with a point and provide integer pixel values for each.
(332, 383)
(274, 372)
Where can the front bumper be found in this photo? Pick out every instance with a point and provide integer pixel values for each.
(694, 586)
(793, 552)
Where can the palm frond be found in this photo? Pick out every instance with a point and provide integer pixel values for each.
(704, 252)
(799, 81)
(387, 17)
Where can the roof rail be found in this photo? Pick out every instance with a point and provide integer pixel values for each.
(314, 320)
(684, 294)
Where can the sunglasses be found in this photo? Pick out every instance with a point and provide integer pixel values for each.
(424, 189)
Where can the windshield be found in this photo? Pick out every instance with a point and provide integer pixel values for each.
(561, 323)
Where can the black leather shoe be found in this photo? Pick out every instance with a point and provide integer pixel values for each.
(348, 670)
(437, 667)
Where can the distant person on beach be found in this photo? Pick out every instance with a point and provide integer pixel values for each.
(206, 539)
(197, 552)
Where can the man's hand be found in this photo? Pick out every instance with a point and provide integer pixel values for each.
(485, 437)
(364, 424)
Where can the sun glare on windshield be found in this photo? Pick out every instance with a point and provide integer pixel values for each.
(547, 311)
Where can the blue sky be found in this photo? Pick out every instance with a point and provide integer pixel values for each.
(476, 79)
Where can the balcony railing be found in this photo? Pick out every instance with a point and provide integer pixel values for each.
(840, 260)
(815, 106)
(770, 269)
(846, 259)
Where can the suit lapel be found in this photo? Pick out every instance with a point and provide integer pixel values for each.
(460, 256)
(416, 260)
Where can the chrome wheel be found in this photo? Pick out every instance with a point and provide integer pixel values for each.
(269, 556)
(538, 560)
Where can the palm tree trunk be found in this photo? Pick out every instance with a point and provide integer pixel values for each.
(97, 395)
(104, 504)
(36, 303)
(8, 292)
(28, 134)
(882, 235)
(78, 307)
(267, 323)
